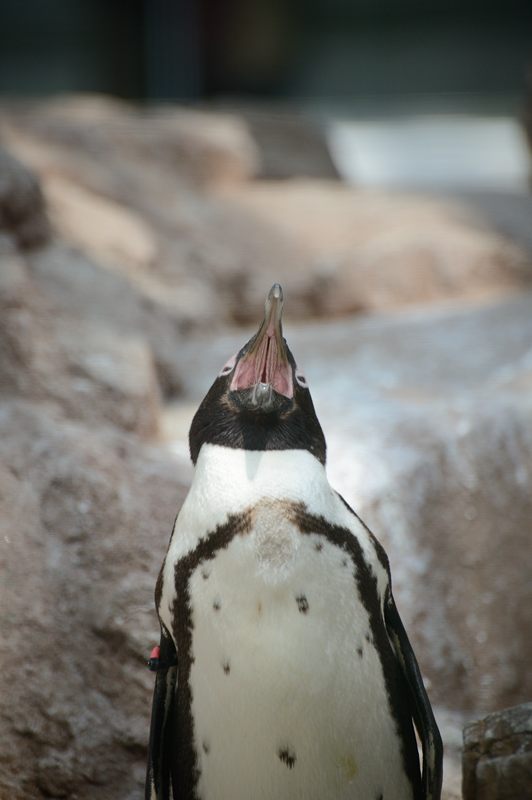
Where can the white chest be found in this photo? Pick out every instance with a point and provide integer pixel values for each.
(288, 695)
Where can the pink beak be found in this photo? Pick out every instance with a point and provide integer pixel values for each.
(265, 367)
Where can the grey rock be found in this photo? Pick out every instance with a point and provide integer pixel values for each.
(375, 251)
(124, 152)
(85, 516)
(292, 144)
(127, 188)
(497, 756)
(22, 208)
(91, 371)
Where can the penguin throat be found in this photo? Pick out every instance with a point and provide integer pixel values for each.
(267, 365)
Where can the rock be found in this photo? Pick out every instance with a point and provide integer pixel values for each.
(505, 212)
(109, 145)
(212, 148)
(96, 295)
(200, 252)
(90, 371)
(22, 210)
(374, 251)
(428, 420)
(119, 192)
(427, 415)
(115, 374)
(120, 188)
(27, 351)
(106, 231)
(497, 757)
(291, 144)
(85, 518)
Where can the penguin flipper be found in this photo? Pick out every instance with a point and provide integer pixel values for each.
(158, 774)
(419, 703)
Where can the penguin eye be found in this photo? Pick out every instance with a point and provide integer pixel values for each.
(228, 367)
(302, 381)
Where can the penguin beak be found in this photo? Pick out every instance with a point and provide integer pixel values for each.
(264, 369)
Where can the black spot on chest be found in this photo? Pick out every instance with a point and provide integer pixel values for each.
(302, 603)
(287, 756)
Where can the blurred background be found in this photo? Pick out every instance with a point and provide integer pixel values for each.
(446, 54)
(161, 165)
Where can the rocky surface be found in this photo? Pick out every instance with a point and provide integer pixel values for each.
(22, 209)
(497, 758)
(85, 516)
(165, 199)
(90, 371)
(292, 144)
(111, 143)
(87, 501)
(118, 280)
(374, 251)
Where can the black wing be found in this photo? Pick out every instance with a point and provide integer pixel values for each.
(418, 700)
(158, 776)
(419, 703)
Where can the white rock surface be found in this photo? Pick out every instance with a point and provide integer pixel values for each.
(443, 150)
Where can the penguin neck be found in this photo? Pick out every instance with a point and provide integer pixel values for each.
(235, 478)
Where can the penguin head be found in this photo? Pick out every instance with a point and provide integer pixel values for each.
(260, 400)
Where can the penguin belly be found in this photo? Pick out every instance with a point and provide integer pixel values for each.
(287, 697)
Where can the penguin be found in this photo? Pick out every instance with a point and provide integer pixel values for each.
(284, 671)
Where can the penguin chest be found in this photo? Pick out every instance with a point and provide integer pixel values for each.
(286, 689)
